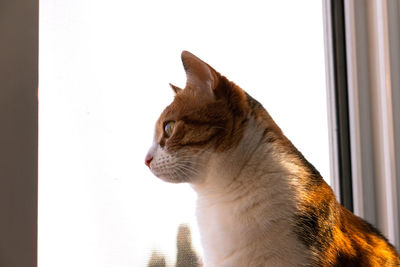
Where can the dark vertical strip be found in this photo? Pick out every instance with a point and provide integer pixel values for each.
(342, 105)
(18, 132)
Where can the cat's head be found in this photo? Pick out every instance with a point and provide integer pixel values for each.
(206, 118)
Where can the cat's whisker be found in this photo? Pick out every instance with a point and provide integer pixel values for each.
(175, 175)
(193, 170)
(184, 175)
(189, 160)
(187, 169)
(192, 155)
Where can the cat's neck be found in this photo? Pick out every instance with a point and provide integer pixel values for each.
(248, 195)
(253, 162)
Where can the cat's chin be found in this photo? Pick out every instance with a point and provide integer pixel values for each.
(172, 179)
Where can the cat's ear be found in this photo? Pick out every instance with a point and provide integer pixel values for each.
(175, 88)
(199, 75)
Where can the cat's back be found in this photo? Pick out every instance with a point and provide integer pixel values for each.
(358, 243)
(337, 237)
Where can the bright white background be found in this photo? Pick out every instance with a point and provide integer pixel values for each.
(104, 73)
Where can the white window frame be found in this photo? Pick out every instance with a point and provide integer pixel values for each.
(372, 65)
(372, 43)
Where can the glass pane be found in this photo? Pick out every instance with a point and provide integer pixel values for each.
(104, 73)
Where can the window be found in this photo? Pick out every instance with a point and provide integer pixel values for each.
(104, 73)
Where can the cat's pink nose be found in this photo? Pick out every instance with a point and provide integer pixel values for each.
(148, 159)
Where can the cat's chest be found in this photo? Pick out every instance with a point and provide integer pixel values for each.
(233, 238)
(220, 234)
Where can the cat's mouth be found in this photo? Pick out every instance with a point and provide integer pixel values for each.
(173, 170)
(174, 167)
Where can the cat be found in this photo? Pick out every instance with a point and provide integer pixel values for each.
(260, 202)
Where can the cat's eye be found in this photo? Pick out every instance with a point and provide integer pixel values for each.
(169, 128)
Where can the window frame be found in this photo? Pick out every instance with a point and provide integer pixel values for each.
(19, 132)
(372, 41)
(364, 96)
(337, 101)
